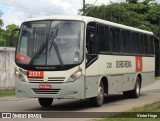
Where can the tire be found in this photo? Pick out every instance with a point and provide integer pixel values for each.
(99, 99)
(135, 93)
(45, 102)
(126, 94)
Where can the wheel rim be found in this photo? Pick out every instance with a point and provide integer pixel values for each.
(100, 96)
(137, 88)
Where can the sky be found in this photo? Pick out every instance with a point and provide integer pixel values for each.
(16, 11)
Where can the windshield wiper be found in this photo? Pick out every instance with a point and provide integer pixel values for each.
(57, 51)
(40, 50)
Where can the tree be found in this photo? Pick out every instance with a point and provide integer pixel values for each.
(1, 21)
(2, 34)
(1, 30)
(146, 13)
(132, 1)
(6, 34)
(8, 31)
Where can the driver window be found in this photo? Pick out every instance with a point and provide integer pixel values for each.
(91, 43)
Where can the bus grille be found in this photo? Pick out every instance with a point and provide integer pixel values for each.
(50, 80)
(56, 79)
(46, 91)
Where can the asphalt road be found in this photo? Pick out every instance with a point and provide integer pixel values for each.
(114, 103)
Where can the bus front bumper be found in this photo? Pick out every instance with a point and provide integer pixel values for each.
(70, 90)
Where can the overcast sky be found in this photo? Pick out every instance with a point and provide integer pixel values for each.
(16, 11)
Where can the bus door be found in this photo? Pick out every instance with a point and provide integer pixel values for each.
(91, 60)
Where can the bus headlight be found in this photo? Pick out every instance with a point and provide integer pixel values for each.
(19, 75)
(76, 75)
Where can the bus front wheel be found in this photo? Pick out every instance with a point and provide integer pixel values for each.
(99, 99)
(45, 102)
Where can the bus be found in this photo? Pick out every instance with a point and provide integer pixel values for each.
(80, 57)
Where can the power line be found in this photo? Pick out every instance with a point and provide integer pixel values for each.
(91, 7)
(29, 9)
(83, 8)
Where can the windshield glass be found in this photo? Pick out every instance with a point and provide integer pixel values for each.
(50, 43)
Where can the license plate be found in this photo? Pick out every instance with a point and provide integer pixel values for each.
(44, 86)
(35, 74)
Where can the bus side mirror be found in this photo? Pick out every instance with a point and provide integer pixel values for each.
(14, 35)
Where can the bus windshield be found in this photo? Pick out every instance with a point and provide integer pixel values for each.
(50, 43)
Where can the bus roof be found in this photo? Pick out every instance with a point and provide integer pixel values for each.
(87, 19)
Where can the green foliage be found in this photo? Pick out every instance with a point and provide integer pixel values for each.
(131, 13)
(1, 21)
(8, 31)
(132, 1)
(2, 36)
(131, 115)
(129, 119)
(1, 30)
(5, 34)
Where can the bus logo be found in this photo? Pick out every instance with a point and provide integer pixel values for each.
(138, 63)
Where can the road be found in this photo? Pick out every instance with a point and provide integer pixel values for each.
(114, 103)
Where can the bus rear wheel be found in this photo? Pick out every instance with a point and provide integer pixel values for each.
(45, 102)
(135, 93)
(99, 99)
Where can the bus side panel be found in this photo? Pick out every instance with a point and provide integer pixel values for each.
(110, 66)
(148, 71)
(128, 81)
(123, 71)
(115, 84)
(147, 78)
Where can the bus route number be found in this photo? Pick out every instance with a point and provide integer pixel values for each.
(35, 74)
(109, 65)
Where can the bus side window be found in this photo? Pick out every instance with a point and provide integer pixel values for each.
(91, 44)
(116, 40)
(126, 42)
(104, 39)
(142, 44)
(150, 45)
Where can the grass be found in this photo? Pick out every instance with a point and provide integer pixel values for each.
(153, 109)
(7, 93)
(156, 78)
(130, 119)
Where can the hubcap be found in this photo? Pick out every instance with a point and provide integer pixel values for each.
(100, 95)
(138, 88)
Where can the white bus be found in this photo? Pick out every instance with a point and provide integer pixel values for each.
(78, 57)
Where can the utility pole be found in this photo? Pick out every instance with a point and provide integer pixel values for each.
(159, 50)
(83, 7)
